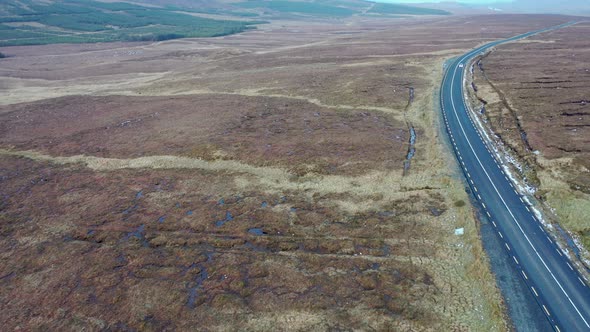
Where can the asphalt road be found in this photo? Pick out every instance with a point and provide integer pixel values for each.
(556, 285)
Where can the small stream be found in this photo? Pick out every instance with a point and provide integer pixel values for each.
(412, 142)
(571, 244)
(411, 150)
(197, 284)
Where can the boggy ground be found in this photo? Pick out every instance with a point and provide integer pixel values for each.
(248, 182)
(537, 102)
(257, 130)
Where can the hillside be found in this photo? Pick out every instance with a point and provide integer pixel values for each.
(576, 7)
(334, 8)
(82, 21)
(32, 22)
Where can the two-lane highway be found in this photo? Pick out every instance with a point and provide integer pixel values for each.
(556, 285)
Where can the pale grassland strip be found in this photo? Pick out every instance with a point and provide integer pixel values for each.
(28, 93)
(258, 93)
(388, 183)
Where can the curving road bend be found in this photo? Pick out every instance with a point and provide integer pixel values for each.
(558, 288)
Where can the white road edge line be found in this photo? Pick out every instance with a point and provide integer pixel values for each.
(547, 311)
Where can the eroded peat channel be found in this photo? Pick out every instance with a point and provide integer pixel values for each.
(412, 131)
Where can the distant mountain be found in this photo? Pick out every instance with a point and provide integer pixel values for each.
(576, 7)
(570, 7)
(273, 9)
(34, 22)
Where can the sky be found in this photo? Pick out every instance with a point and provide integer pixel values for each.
(462, 1)
(576, 7)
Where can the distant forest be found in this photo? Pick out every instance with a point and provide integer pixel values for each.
(27, 22)
(33, 22)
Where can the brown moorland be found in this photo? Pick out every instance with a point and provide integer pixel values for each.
(537, 100)
(252, 181)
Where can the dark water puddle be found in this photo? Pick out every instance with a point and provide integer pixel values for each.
(256, 231)
(387, 299)
(197, 284)
(124, 327)
(161, 219)
(138, 233)
(435, 211)
(134, 205)
(130, 209)
(221, 202)
(386, 250)
(281, 200)
(480, 65)
(254, 247)
(411, 150)
(188, 268)
(264, 204)
(189, 212)
(570, 243)
(8, 276)
(386, 214)
(121, 259)
(121, 262)
(92, 299)
(228, 217)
